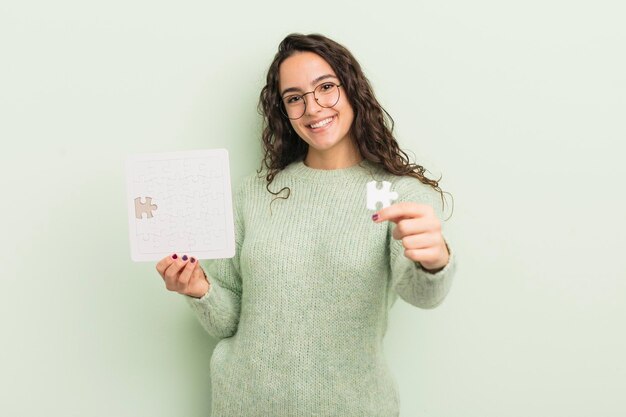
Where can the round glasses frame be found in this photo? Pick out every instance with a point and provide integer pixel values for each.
(283, 110)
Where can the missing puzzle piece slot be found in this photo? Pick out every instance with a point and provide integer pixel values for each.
(144, 207)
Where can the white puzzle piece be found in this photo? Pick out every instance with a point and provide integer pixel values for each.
(382, 195)
(180, 202)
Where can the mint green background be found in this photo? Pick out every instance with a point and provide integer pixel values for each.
(520, 105)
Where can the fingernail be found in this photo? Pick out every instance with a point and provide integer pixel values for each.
(174, 256)
(375, 217)
(193, 259)
(185, 257)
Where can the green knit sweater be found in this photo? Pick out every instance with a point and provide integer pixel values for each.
(302, 307)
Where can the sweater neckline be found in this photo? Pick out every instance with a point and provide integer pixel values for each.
(363, 169)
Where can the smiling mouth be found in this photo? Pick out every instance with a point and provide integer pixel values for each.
(321, 123)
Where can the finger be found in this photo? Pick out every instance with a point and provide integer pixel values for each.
(162, 265)
(420, 241)
(172, 273)
(403, 210)
(422, 255)
(407, 227)
(185, 275)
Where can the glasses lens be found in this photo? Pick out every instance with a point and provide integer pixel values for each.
(327, 94)
(293, 106)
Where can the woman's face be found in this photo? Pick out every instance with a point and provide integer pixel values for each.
(301, 73)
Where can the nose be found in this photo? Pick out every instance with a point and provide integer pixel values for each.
(312, 106)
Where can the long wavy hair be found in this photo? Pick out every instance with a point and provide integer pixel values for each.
(371, 129)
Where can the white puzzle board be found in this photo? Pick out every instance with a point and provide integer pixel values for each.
(180, 202)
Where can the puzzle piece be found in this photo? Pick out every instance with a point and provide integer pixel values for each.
(145, 207)
(382, 195)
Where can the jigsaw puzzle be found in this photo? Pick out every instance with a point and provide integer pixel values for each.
(180, 202)
(381, 195)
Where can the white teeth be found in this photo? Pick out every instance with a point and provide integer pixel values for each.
(322, 123)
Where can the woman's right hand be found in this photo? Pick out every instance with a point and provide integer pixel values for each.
(183, 276)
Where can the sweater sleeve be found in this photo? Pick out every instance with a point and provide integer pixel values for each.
(218, 310)
(409, 280)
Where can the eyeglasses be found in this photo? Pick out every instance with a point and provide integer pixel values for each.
(326, 95)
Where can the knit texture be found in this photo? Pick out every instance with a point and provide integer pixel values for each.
(302, 307)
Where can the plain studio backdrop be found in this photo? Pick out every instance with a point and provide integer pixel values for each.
(519, 106)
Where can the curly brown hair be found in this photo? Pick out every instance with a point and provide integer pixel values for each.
(371, 129)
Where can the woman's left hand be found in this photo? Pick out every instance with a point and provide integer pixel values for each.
(420, 230)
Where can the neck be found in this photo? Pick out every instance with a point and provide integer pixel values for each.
(338, 160)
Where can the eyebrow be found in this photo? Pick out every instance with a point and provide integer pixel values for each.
(315, 81)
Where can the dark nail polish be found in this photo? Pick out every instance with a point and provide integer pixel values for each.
(375, 217)
(193, 259)
(174, 256)
(185, 257)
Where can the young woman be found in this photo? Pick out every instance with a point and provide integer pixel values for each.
(301, 309)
